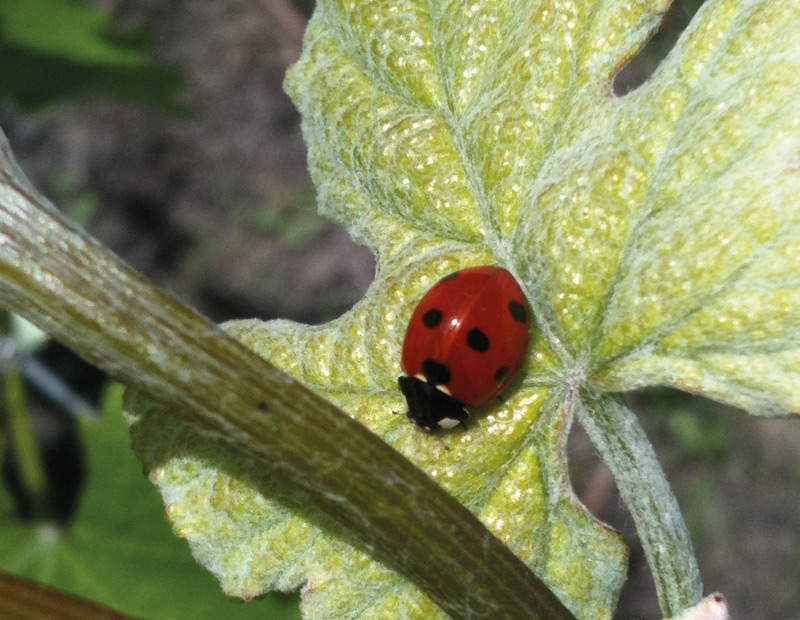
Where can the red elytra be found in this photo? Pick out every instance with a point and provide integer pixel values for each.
(467, 337)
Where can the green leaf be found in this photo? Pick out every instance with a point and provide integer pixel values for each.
(67, 29)
(703, 292)
(656, 238)
(51, 50)
(120, 538)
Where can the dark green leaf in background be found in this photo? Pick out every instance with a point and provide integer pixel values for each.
(119, 551)
(53, 50)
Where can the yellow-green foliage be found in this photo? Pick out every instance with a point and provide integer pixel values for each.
(657, 238)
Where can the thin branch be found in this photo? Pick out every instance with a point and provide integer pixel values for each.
(25, 600)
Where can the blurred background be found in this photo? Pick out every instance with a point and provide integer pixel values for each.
(162, 127)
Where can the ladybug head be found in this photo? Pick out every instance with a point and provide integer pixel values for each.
(429, 407)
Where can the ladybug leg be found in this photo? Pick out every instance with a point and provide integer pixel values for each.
(442, 442)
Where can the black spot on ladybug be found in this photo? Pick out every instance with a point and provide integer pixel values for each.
(449, 276)
(435, 373)
(477, 340)
(517, 311)
(432, 318)
(501, 373)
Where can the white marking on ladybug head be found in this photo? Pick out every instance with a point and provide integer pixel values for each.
(443, 388)
(448, 423)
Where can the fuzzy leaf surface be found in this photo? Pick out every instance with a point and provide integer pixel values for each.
(656, 238)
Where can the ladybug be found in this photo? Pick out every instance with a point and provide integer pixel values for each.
(465, 342)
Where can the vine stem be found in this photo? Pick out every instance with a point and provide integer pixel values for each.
(26, 600)
(617, 435)
(65, 282)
